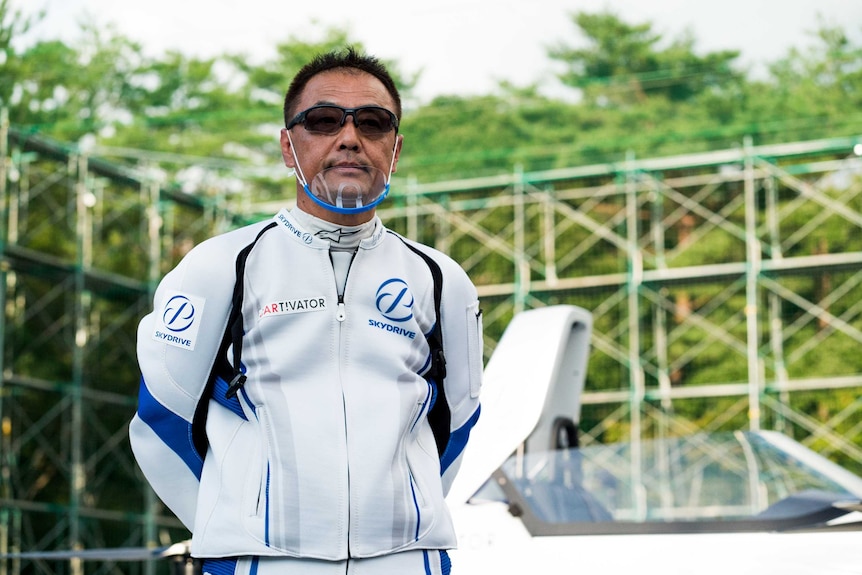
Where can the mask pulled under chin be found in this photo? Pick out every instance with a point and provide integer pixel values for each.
(348, 190)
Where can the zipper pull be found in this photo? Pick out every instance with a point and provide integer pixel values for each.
(341, 313)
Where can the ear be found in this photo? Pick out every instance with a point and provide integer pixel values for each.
(286, 152)
(399, 141)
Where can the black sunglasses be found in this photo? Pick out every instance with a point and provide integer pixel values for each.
(329, 119)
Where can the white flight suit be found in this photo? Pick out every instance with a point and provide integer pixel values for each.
(325, 459)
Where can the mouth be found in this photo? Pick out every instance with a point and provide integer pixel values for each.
(348, 185)
(348, 169)
(347, 165)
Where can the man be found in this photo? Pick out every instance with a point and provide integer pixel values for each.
(317, 429)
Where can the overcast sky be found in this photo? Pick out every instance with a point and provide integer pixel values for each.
(462, 46)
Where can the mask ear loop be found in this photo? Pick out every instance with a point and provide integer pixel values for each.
(297, 170)
(389, 175)
(391, 163)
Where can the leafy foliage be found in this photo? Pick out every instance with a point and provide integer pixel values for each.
(632, 91)
(624, 66)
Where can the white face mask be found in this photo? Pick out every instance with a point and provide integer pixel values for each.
(346, 190)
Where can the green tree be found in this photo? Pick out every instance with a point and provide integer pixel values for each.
(623, 64)
(813, 92)
(67, 91)
(12, 25)
(221, 115)
(268, 80)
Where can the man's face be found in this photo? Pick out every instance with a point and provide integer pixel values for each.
(347, 149)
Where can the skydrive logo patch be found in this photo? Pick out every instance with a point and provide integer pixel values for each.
(178, 320)
(394, 301)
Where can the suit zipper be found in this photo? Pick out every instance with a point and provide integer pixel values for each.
(341, 311)
(340, 316)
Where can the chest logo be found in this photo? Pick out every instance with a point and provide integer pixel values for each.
(394, 300)
(301, 305)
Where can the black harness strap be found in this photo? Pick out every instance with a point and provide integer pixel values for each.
(222, 368)
(235, 327)
(439, 417)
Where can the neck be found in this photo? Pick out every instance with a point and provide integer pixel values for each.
(340, 235)
(304, 203)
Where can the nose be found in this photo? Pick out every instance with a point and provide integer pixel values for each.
(348, 136)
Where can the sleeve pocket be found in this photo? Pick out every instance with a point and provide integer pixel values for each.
(475, 348)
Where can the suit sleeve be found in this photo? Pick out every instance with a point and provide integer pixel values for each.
(177, 344)
(463, 347)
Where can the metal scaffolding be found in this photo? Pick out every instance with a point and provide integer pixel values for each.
(752, 255)
(83, 244)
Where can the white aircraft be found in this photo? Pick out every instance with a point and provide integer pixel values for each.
(527, 500)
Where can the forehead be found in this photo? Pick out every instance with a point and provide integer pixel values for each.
(347, 88)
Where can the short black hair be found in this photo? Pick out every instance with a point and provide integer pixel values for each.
(348, 58)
